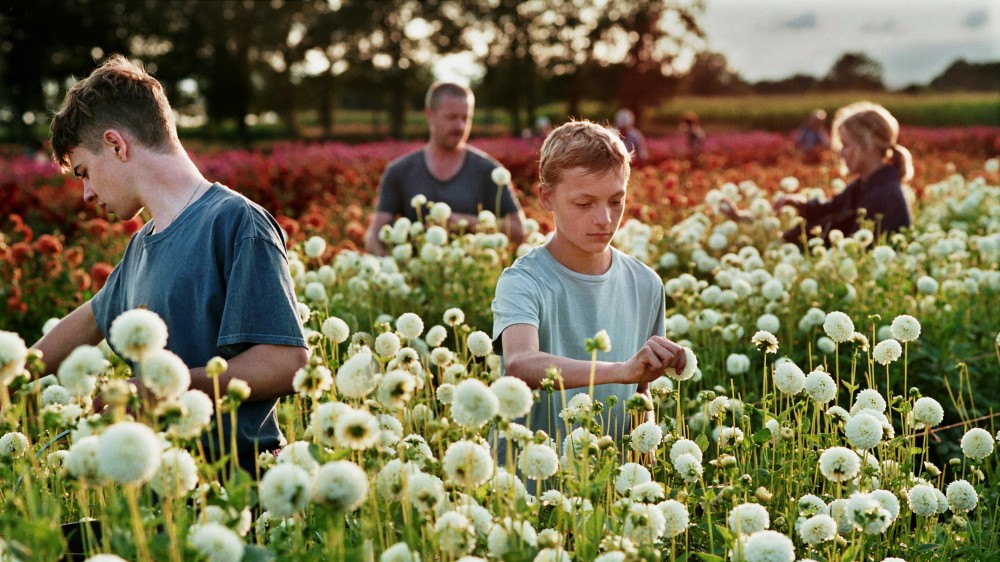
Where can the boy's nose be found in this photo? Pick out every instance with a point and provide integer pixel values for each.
(89, 196)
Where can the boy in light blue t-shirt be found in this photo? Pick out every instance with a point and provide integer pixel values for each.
(558, 295)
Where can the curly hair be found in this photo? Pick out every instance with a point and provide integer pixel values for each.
(117, 95)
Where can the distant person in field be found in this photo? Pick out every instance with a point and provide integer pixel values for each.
(635, 141)
(558, 295)
(694, 135)
(446, 170)
(811, 138)
(209, 262)
(865, 138)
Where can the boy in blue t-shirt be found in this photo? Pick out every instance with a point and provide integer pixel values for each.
(210, 262)
(558, 295)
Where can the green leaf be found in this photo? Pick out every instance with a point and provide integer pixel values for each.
(702, 442)
(709, 557)
(255, 553)
(762, 436)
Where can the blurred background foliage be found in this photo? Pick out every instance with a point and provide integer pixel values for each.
(358, 69)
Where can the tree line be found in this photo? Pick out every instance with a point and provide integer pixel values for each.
(233, 58)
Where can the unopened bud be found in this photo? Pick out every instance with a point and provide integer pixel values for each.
(216, 366)
(238, 390)
(763, 494)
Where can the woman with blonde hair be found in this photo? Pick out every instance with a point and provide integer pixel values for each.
(865, 139)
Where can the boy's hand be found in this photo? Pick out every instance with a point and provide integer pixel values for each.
(656, 356)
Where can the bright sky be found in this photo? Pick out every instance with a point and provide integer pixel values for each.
(915, 40)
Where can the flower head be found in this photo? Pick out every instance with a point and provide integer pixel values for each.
(839, 464)
(341, 486)
(355, 377)
(128, 453)
(765, 340)
(467, 463)
(928, 412)
(473, 404)
(177, 474)
(538, 461)
(216, 542)
(768, 546)
(789, 378)
(79, 371)
(749, 518)
(356, 429)
(13, 445)
(676, 517)
(820, 387)
(480, 344)
(961, 496)
(922, 500)
(500, 176)
(137, 332)
(905, 328)
(315, 247)
(887, 351)
(690, 367)
(863, 431)
(977, 443)
(13, 354)
(838, 326)
(285, 490)
(646, 437)
(164, 373)
(335, 329)
(513, 397)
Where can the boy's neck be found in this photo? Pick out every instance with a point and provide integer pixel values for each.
(575, 259)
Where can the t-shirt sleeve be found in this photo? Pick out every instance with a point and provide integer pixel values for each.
(389, 192)
(516, 302)
(107, 301)
(660, 321)
(260, 302)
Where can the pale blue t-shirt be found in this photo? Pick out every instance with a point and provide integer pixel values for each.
(218, 276)
(567, 308)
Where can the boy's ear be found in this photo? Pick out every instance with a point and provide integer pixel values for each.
(114, 139)
(545, 197)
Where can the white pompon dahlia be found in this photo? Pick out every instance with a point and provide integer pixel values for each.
(216, 542)
(13, 354)
(789, 378)
(928, 412)
(538, 461)
(749, 518)
(961, 496)
(409, 325)
(887, 351)
(977, 443)
(177, 474)
(467, 464)
(820, 387)
(839, 464)
(676, 517)
(480, 344)
(768, 546)
(473, 404)
(513, 396)
(817, 529)
(164, 374)
(863, 431)
(129, 453)
(341, 486)
(137, 332)
(285, 490)
(923, 500)
(905, 328)
(630, 475)
(79, 371)
(690, 367)
(838, 326)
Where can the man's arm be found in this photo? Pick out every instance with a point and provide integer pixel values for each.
(372, 244)
(523, 360)
(76, 329)
(267, 369)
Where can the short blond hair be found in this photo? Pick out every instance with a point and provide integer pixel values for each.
(582, 144)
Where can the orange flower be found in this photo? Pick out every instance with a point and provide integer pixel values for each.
(73, 256)
(99, 274)
(48, 245)
(20, 252)
(133, 226)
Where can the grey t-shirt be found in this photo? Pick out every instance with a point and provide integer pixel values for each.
(567, 308)
(218, 276)
(469, 191)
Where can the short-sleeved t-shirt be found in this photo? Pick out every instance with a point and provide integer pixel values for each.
(469, 191)
(567, 308)
(218, 276)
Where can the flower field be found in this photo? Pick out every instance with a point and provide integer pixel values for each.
(841, 406)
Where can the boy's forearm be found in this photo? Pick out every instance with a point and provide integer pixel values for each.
(77, 328)
(267, 369)
(531, 368)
